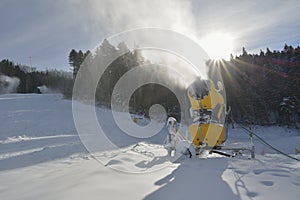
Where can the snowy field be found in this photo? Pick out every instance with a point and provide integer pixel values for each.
(42, 157)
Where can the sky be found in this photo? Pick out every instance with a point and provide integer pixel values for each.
(47, 30)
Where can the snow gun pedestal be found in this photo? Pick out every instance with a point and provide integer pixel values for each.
(177, 144)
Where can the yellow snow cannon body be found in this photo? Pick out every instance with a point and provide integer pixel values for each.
(206, 100)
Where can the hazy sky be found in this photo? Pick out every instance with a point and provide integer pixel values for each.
(47, 30)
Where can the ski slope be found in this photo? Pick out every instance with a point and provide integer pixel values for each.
(42, 157)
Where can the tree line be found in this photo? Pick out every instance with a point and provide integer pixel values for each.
(126, 59)
(263, 88)
(30, 79)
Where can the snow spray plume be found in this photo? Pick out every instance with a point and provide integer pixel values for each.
(160, 43)
(176, 59)
(8, 84)
(175, 15)
(44, 89)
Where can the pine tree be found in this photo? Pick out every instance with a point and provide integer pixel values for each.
(245, 53)
(73, 62)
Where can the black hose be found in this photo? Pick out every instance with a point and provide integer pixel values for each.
(262, 141)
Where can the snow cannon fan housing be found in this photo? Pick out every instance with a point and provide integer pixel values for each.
(206, 100)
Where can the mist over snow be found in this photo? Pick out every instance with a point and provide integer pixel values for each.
(8, 84)
(44, 89)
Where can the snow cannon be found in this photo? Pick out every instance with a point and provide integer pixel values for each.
(207, 113)
(207, 124)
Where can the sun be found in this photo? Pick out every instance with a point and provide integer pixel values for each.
(218, 45)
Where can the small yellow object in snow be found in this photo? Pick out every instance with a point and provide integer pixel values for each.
(135, 120)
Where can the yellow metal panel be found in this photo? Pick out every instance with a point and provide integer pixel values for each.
(213, 98)
(210, 101)
(212, 134)
(194, 102)
(194, 131)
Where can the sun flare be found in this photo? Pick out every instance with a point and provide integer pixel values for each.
(218, 45)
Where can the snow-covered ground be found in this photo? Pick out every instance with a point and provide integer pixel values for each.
(42, 157)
